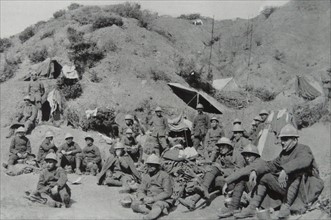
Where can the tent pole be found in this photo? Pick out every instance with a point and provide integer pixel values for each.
(197, 98)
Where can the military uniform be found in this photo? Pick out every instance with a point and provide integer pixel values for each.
(91, 158)
(212, 136)
(45, 148)
(160, 130)
(27, 117)
(73, 157)
(36, 90)
(200, 127)
(136, 129)
(18, 145)
(133, 148)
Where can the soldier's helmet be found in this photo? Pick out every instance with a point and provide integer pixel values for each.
(49, 134)
(68, 135)
(119, 145)
(199, 106)
(288, 131)
(20, 129)
(129, 131)
(89, 137)
(153, 159)
(237, 127)
(214, 119)
(224, 140)
(51, 156)
(158, 109)
(128, 117)
(237, 121)
(250, 149)
(264, 112)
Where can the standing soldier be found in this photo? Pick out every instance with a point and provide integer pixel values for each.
(155, 191)
(36, 91)
(68, 153)
(200, 126)
(160, 131)
(286, 177)
(27, 117)
(212, 136)
(46, 147)
(132, 147)
(90, 157)
(134, 126)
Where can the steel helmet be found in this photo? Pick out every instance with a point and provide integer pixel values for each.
(129, 131)
(51, 156)
(89, 137)
(250, 149)
(128, 117)
(253, 123)
(214, 118)
(237, 120)
(237, 127)
(288, 131)
(68, 135)
(27, 97)
(158, 109)
(20, 129)
(224, 140)
(199, 106)
(257, 118)
(119, 145)
(153, 159)
(264, 112)
(49, 134)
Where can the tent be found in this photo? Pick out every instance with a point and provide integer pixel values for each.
(308, 88)
(49, 68)
(192, 97)
(226, 84)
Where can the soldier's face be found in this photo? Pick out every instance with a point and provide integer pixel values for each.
(49, 138)
(214, 124)
(89, 142)
(128, 122)
(288, 142)
(69, 140)
(50, 164)
(158, 113)
(152, 168)
(224, 148)
(199, 110)
(264, 117)
(119, 152)
(237, 134)
(249, 158)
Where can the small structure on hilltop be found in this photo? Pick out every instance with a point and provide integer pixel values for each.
(49, 68)
(197, 22)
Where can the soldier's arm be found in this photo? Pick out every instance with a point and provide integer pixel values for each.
(77, 149)
(28, 147)
(303, 160)
(42, 183)
(33, 115)
(97, 158)
(168, 189)
(62, 178)
(167, 129)
(42, 89)
(12, 147)
(141, 191)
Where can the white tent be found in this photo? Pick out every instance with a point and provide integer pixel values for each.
(226, 84)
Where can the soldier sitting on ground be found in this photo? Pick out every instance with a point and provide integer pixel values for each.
(237, 121)
(68, 154)
(212, 136)
(155, 191)
(26, 117)
(52, 184)
(119, 170)
(287, 177)
(90, 157)
(132, 147)
(134, 125)
(46, 147)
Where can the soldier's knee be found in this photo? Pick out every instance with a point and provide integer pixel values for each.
(267, 179)
(135, 205)
(161, 204)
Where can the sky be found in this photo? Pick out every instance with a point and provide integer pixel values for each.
(16, 15)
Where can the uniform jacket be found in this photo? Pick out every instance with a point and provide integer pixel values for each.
(36, 89)
(159, 186)
(20, 145)
(213, 135)
(92, 154)
(159, 126)
(131, 168)
(73, 147)
(228, 163)
(201, 123)
(29, 112)
(238, 146)
(136, 129)
(44, 149)
(48, 179)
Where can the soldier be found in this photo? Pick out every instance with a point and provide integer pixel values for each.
(200, 127)
(239, 178)
(46, 147)
(90, 157)
(237, 121)
(27, 117)
(154, 193)
(36, 91)
(20, 148)
(134, 126)
(212, 136)
(68, 154)
(52, 183)
(160, 131)
(226, 159)
(132, 147)
(282, 177)
(252, 131)
(119, 170)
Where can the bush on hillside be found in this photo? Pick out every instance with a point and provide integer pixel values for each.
(74, 36)
(9, 68)
(4, 44)
(38, 55)
(159, 75)
(104, 21)
(69, 88)
(267, 11)
(190, 16)
(47, 34)
(94, 77)
(59, 13)
(280, 56)
(72, 117)
(261, 93)
(307, 114)
(26, 34)
(73, 6)
(232, 99)
(146, 19)
(86, 15)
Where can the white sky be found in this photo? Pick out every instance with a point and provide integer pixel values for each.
(16, 15)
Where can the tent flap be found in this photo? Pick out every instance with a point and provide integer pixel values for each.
(226, 84)
(305, 89)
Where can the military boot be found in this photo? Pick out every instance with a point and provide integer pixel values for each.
(284, 212)
(112, 182)
(154, 213)
(207, 180)
(190, 202)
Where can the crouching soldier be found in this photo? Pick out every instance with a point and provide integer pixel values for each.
(46, 147)
(225, 160)
(132, 147)
(68, 153)
(20, 148)
(212, 136)
(52, 184)
(119, 170)
(90, 157)
(239, 179)
(287, 177)
(153, 195)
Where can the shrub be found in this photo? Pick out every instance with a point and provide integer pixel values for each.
(59, 14)
(26, 34)
(47, 34)
(261, 93)
(72, 116)
(4, 44)
(86, 15)
(104, 21)
(267, 11)
(69, 88)
(74, 36)
(73, 6)
(9, 69)
(158, 75)
(165, 34)
(129, 10)
(190, 16)
(38, 55)
(232, 99)
(146, 18)
(308, 114)
(110, 46)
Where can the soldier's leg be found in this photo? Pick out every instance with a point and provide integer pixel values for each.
(157, 209)
(236, 195)
(138, 206)
(191, 202)
(28, 126)
(12, 159)
(156, 145)
(207, 181)
(65, 196)
(78, 158)
(163, 143)
(196, 142)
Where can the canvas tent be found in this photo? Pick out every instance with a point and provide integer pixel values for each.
(226, 84)
(49, 68)
(308, 88)
(192, 97)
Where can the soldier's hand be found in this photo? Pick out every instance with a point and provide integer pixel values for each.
(224, 189)
(55, 190)
(282, 179)
(63, 152)
(24, 155)
(69, 152)
(252, 179)
(148, 200)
